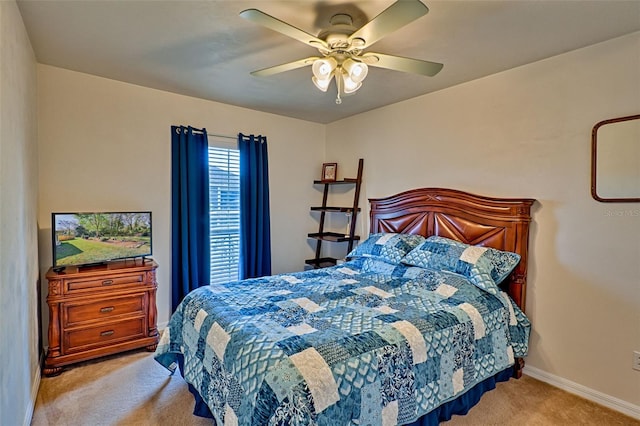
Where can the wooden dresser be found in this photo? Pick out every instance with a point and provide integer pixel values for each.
(100, 310)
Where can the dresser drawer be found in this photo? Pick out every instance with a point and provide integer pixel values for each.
(102, 335)
(82, 285)
(77, 313)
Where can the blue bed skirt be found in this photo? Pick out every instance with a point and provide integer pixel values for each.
(461, 405)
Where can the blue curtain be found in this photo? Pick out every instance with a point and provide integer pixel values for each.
(190, 247)
(255, 232)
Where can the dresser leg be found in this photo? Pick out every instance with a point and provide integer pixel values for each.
(51, 371)
(151, 348)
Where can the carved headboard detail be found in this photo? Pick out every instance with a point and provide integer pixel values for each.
(501, 223)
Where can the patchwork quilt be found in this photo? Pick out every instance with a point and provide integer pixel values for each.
(363, 343)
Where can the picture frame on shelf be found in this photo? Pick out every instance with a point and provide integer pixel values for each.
(329, 172)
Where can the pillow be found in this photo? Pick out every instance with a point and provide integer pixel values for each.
(388, 247)
(376, 266)
(479, 264)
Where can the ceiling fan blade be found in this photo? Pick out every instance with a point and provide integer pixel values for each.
(261, 18)
(398, 63)
(396, 16)
(285, 67)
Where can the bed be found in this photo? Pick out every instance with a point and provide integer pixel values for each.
(414, 327)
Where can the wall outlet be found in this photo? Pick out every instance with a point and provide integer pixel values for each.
(636, 360)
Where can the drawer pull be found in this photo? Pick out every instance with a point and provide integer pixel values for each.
(106, 333)
(107, 309)
(107, 282)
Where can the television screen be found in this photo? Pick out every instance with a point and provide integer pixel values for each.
(93, 238)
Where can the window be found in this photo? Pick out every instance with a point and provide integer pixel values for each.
(224, 211)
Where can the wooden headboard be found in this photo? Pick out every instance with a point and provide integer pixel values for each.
(501, 223)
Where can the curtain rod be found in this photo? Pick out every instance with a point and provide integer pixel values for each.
(235, 138)
(195, 129)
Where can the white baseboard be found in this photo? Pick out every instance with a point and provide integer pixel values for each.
(608, 401)
(35, 387)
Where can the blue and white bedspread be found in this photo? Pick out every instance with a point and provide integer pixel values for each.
(351, 344)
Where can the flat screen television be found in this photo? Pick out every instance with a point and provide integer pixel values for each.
(81, 239)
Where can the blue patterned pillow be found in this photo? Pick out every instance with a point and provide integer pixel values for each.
(485, 267)
(376, 266)
(389, 247)
(372, 265)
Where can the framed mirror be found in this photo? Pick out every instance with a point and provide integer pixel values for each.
(615, 160)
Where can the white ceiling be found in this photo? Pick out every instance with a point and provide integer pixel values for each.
(204, 49)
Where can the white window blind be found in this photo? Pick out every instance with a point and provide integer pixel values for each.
(224, 213)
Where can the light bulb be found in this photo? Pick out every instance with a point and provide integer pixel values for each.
(350, 86)
(322, 84)
(357, 71)
(322, 68)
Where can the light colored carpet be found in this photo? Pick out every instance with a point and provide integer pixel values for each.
(132, 389)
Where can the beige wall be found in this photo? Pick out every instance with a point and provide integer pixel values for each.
(526, 133)
(19, 354)
(106, 145)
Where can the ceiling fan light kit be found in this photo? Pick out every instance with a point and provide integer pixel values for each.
(342, 47)
(350, 72)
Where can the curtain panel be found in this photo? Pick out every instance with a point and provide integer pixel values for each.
(190, 247)
(255, 229)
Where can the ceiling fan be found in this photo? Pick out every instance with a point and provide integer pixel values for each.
(342, 47)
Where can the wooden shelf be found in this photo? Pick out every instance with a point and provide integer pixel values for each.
(333, 209)
(323, 262)
(333, 237)
(335, 182)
